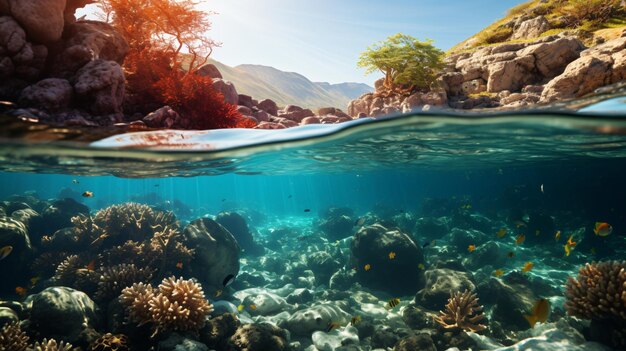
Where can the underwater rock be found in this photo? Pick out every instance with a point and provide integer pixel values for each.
(62, 313)
(25, 216)
(259, 337)
(237, 226)
(216, 252)
(391, 258)
(323, 266)
(305, 321)
(266, 303)
(56, 216)
(217, 330)
(421, 342)
(336, 225)
(415, 318)
(177, 342)
(335, 339)
(430, 228)
(512, 297)
(343, 279)
(15, 265)
(7, 316)
(300, 296)
(222, 307)
(490, 253)
(448, 340)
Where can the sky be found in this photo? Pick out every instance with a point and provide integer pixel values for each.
(322, 39)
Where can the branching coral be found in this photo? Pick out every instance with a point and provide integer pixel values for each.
(462, 312)
(110, 342)
(51, 345)
(128, 252)
(164, 249)
(47, 262)
(176, 304)
(66, 272)
(13, 338)
(113, 279)
(599, 294)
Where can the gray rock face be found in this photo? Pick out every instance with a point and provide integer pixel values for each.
(216, 252)
(52, 94)
(227, 89)
(42, 23)
(602, 65)
(372, 245)
(531, 28)
(62, 313)
(440, 283)
(100, 85)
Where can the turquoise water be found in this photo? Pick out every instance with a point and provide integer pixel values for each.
(444, 185)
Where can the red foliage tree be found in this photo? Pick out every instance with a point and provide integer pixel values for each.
(167, 46)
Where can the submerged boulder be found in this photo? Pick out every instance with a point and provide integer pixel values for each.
(316, 317)
(440, 283)
(216, 252)
(259, 337)
(238, 227)
(55, 216)
(387, 260)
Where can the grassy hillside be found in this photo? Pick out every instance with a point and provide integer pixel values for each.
(587, 19)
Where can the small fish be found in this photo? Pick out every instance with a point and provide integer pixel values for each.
(75, 181)
(392, 255)
(594, 251)
(229, 279)
(307, 210)
(367, 267)
(570, 245)
(557, 236)
(537, 232)
(510, 254)
(466, 207)
(528, 266)
(289, 197)
(498, 273)
(392, 303)
(541, 188)
(223, 200)
(99, 239)
(426, 244)
(471, 248)
(88, 194)
(359, 222)
(332, 326)
(5, 251)
(240, 308)
(303, 237)
(157, 185)
(253, 307)
(91, 265)
(540, 312)
(34, 280)
(421, 266)
(21, 291)
(602, 229)
(355, 320)
(519, 224)
(501, 233)
(179, 265)
(219, 292)
(520, 239)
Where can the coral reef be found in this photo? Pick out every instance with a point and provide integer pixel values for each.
(176, 304)
(462, 312)
(110, 342)
(13, 338)
(599, 294)
(51, 345)
(113, 279)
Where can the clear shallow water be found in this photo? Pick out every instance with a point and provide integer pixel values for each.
(446, 181)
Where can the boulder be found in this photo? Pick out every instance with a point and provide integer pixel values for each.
(100, 87)
(165, 117)
(216, 252)
(245, 100)
(296, 115)
(55, 216)
(531, 28)
(398, 275)
(238, 227)
(52, 94)
(86, 41)
(421, 342)
(62, 313)
(334, 340)
(43, 23)
(20, 60)
(440, 283)
(306, 321)
(602, 65)
(14, 233)
(25, 216)
(209, 70)
(268, 106)
(551, 57)
(227, 89)
(176, 342)
(323, 265)
(336, 225)
(218, 329)
(259, 337)
(269, 125)
(310, 120)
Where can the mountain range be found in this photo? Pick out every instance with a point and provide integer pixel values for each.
(264, 82)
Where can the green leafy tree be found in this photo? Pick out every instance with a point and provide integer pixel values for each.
(404, 60)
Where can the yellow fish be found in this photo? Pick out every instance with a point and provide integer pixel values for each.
(5, 251)
(421, 266)
(569, 246)
(253, 307)
(218, 293)
(367, 267)
(355, 320)
(540, 312)
(392, 255)
(520, 239)
(34, 280)
(240, 308)
(392, 303)
(88, 194)
(332, 326)
(501, 233)
(602, 229)
(537, 232)
(498, 273)
(471, 248)
(557, 236)
(528, 266)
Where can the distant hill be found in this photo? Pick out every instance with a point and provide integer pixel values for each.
(264, 82)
